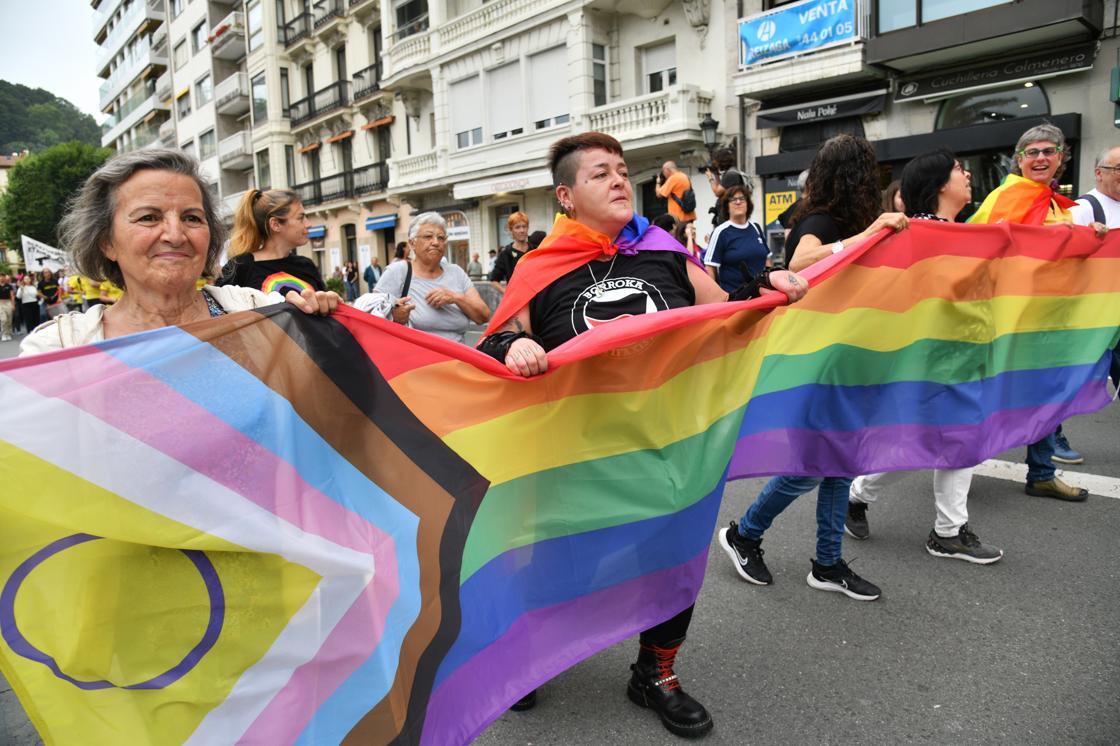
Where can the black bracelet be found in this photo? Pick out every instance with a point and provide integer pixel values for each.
(497, 345)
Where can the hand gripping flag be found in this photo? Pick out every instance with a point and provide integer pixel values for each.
(272, 528)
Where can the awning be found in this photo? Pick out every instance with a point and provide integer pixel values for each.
(817, 111)
(377, 222)
(341, 136)
(309, 148)
(516, 182)
(378, 122)
(317, 231)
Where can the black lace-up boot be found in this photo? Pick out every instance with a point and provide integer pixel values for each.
(654, 685)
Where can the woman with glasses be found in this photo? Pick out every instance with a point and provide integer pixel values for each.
(267, 228)
(1029, 196)
(427, 294)
(736, 243)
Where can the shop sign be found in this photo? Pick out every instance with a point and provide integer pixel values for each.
(795, 29)
(518, 182)
(848, 106)
(458, 227)
(777, 203)
(1036, 66)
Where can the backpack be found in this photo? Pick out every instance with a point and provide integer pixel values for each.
(686, 201)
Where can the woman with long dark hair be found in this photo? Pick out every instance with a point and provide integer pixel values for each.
(841, 207)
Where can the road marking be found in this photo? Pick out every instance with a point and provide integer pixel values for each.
(1017, 472)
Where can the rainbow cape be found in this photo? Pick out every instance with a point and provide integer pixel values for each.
(1020, 200)
(274, 528)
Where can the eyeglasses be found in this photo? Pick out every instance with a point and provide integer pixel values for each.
(1040, 152)
(432, 237)
(1109, 168)
(737, 201)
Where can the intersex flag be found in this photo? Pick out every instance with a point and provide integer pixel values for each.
(275, 528)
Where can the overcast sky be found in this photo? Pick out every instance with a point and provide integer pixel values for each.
(49, 44)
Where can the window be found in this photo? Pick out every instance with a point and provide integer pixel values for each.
(176, 7)
(181, 55)
(188, 147)
(599, 72)
(290, 164)
(285, 95)
(899, 14)
(548, 88)
(264, 177)
(203, 91)
(207, 145)
(466, 116)
(260, 99)
(993, 105)
(659, 67)
(183, 104)
(256, 24)
(340, 63)
(198, 37)
(412, 17)
(504, 101)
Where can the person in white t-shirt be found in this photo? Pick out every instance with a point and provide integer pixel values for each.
(1106, 195)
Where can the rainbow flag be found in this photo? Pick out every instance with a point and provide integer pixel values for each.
(274, 528)
(1020, 200)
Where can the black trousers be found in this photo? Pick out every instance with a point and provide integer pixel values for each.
(670, 631)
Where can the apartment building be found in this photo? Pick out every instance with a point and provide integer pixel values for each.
(480, 90)
(322, 120)
(911, 75)
(130, 35)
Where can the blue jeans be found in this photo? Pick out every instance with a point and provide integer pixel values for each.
(1040, 460)
(832, 508)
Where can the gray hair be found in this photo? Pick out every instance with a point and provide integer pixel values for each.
(802, 180)
(1044, 132)
(87, 226)
(425, 218)
(1103, 155)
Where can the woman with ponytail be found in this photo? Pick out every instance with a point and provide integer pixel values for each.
(267, 228)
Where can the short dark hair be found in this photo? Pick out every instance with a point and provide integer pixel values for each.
(665, 222)
(561, 156)
(535, 238)
(923, 178)
(731, 192)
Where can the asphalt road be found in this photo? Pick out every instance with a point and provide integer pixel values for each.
(1025, 651)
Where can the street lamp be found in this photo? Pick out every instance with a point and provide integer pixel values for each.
(708, 127)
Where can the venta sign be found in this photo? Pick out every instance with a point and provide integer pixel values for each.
(794, 29)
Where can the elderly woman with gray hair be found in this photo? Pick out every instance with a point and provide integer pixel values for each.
(146, 222)
(427, 294)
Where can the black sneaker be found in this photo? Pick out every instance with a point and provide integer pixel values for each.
(840, 578)
(855, 524)
(964, 546)
(746, 554)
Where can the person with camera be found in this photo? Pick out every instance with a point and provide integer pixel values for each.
(674, 186)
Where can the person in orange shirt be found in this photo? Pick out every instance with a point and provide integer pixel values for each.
(672, 183)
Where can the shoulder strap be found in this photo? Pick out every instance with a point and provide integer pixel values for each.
(407, 278)
(1098, 208)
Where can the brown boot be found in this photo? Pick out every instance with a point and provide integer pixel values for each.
(654, 685)
(1057, 489)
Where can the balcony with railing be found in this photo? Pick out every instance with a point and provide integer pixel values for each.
(367, 82)
(231, 96)
(123, 30)
(414, 169)
(674, 111)
(236, 152)
(297, 30)
(227, 38)
(491, 17)
(136, 62)
(142, 137)
(130, 113)
(167, 134)
(371, 179)
(230, 203)
(328, 11)
(362, 9)
(409, 51)
(163, 86)
(333, 98)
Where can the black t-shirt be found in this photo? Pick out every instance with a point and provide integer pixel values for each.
(49, 289)
(7, 291)
(818, 224)
(293, 272)
(598, 292)
(786, 216)
(505, 263)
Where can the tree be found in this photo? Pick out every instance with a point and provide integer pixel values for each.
(39, 187)
(34, 119)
